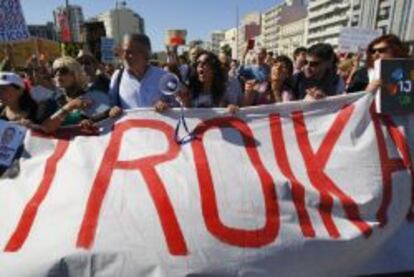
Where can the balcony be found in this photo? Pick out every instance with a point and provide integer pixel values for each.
(317, 3)
(330, 21)
(332, 9)
(329, 32)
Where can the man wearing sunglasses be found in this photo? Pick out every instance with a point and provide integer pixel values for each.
(319, 77)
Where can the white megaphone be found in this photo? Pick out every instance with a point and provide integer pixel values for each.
(170, 84)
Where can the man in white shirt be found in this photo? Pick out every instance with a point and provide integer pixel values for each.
(138, 84)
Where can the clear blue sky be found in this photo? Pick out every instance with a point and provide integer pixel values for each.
(199, 17)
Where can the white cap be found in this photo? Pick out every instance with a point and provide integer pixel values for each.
(10, 78)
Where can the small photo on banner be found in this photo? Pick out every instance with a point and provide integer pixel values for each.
(11, 139)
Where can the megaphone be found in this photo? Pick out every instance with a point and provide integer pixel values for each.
(170, 84)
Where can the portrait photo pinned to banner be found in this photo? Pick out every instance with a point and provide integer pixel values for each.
(11, 139)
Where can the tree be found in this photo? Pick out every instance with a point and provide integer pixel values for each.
(226, 49)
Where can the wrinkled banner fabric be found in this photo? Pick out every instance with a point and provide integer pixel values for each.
(298, 189)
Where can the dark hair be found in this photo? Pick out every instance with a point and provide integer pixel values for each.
(183, 58)
(219, 78)
(325, 52)
(297, 52)
(139, 38)
(26, 102)
(286, 61)
(173, 68)
(398, 48)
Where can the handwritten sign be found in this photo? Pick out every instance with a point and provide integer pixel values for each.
(353, 39)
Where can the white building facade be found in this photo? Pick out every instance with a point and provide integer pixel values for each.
(292, 34)
(121, 21)
(271, 28)
(327, 18)
(250, 28)
(216, 38)
(230, 39)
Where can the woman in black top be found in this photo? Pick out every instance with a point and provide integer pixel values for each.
(17, 104)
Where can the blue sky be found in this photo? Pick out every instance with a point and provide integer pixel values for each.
(199, 17)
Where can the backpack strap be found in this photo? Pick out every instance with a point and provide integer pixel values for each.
(118, 85)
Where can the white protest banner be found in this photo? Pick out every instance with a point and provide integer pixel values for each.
(355, 39)
(299, 189)
(12, 23)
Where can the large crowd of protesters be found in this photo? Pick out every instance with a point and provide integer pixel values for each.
(49, 95)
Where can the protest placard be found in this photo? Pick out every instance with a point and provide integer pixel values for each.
(355, 39)
(107, 49)
(12, 23)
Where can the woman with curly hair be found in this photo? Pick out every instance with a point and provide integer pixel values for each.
(278, 86)
(210, 87)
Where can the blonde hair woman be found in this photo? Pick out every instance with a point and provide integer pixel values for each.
(72, 80)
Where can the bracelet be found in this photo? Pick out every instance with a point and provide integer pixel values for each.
(61, 114)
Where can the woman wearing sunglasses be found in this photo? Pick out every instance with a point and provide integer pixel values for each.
(383, 47)
(72, 80)
(210, 87)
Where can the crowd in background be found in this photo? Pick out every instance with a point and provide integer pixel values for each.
(48, 95)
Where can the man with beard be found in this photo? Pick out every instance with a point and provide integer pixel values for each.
(319, 77)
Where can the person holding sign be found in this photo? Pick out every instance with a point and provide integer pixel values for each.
(384, 47)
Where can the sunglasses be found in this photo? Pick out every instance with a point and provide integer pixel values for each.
(313, 63)
(61, 71)
(380, 50)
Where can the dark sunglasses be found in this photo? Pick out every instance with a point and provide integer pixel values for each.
(61, 71)
(380, 50)
(313, 63)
